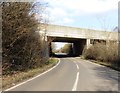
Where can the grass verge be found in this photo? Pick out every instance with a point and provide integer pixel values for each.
(107, 64)
(104, 54)
(11, 80)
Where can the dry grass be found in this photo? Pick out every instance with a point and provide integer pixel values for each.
(11, 80)
(104, 54)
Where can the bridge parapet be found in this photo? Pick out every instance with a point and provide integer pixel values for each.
(72, 32)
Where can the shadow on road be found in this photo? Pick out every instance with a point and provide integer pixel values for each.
(108, 74)
(63, 55)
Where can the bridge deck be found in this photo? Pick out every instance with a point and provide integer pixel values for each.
(72, 32)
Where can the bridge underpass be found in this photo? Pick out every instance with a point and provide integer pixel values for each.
(78, 36)
(77, 44)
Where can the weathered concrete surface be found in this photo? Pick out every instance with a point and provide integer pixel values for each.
(72, 32)
(80, 37)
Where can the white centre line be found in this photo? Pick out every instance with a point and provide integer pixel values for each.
(76, 82)
(77, 66)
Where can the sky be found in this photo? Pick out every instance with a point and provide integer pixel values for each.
(92, 14)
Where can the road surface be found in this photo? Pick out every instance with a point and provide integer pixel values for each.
(74, 74)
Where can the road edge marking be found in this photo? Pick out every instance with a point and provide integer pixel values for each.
(33, 77)
(76, 82)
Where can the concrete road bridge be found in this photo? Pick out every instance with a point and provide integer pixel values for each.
(80, 37)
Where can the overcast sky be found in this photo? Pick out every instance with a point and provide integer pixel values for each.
(92, 14)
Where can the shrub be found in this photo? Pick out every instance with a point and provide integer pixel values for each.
(22, 46)
(105, 53)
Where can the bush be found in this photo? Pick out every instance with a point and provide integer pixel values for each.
(22, 46)
(105, 53)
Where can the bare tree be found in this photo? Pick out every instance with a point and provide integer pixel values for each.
(22, 45)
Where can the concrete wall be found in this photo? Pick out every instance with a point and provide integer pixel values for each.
(78, 36)
(64, 31)
(78, 44)
(78, 47)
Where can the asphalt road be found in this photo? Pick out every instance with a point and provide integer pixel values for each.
(74, 74)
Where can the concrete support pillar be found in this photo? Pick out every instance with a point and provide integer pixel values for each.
(47, 50)
(50, 49)
(73, 46)
(78, 47)
(88, 43)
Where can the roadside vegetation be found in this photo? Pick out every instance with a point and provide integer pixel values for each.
(11, 80)
(67, 48)
(107, 55)
(24, 49)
